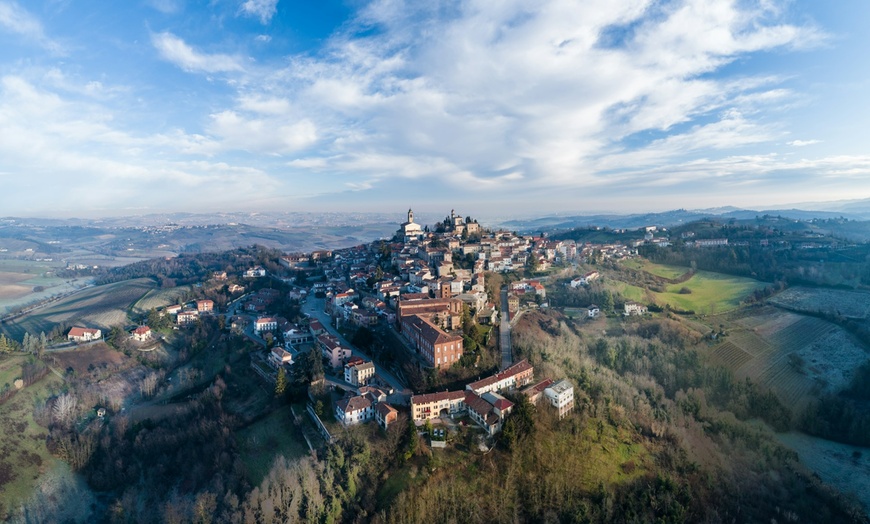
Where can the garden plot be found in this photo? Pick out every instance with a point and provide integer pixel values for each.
(851, 304)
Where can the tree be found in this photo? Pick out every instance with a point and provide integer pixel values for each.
(607, 301)
(280, 382)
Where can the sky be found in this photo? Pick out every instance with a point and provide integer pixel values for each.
(512, 106)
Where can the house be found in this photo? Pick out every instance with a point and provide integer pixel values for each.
(204, 306)
(711, 242)
(255, 272)
(489, 410)
(220, 276)
(585, 279)
(354, 410)
(535, 391)
(235, 288)
(593, 311)
(331, 349)
(633, 308)
(433, 405)
(516, 376)
(173, 309)
(561, 396)
(187, 317)
(280, 356)
(265, 324)
(141, 334)
(80, 334)
(358, 372)
(385, 414)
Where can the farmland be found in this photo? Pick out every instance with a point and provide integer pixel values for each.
(850, 304)
(796, 356)
(24, 281)
(100, 306)
(158, 298)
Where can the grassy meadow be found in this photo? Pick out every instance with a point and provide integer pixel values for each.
(23, 456)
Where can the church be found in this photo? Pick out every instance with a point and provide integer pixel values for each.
(410, 230)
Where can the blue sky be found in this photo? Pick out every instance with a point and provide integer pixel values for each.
(116, 108)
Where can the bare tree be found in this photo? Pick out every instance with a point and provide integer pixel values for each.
(65, 408)
(149, 385)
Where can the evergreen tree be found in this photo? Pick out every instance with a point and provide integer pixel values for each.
(280, 382)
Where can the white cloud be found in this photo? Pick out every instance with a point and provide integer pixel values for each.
(538, 89)
(17, 20)
(167, 7)
(175, 50)
(803, 143)
(262, 9)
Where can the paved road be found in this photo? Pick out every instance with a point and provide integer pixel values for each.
(313, 307)
(504, 332)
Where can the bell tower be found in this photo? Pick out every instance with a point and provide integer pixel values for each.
(410, 216)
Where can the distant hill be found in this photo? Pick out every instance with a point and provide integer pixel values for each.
(664, 219)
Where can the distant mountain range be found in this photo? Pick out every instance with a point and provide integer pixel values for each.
(860, 211)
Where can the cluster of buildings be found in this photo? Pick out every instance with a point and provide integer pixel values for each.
(483, 402)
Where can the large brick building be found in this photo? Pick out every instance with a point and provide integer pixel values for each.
(440, 349)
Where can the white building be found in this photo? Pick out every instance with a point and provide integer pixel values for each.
(561, 396)
(355, 410)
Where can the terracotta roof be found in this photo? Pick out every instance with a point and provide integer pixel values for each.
(142, 330)
(437, 397)
(480, 406)
(516, 369)
(539, 387)
(80, 331)
(357, 403)
(384, 409)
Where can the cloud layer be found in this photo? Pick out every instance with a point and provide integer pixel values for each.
(570, 102)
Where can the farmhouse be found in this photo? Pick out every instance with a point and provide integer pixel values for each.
(80, 334)
(141, 334)
(633, 308)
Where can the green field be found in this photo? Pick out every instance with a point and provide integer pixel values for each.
(264, 440)
(629, 292)
(659, 270)
(24, 457)
(710, 293)
(99, 306)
